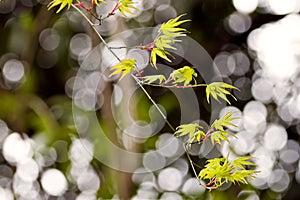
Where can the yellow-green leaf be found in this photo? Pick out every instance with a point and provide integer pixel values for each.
(220, 170)
(62, 3)
(197, 136)
(126, 6)
(153, 78)
(242, 161)
(158, 52)
(184, 74)
(193, 130)
(164, 42)
(226, 120)
(126, 66)
(218, 89)
(171, 27)
(219, 136)
(167, 35)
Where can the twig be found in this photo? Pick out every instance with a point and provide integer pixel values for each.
(192, 165)
(142, 87)
(172, 86)
(134, 77)
(96, 31)
(134, 47)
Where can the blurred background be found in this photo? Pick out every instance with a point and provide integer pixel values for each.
(255, 45)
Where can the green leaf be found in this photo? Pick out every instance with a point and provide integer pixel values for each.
(218, 89)
(219, 136)
(125, 67)
(184, 74)
(167, 35)
(126, 6)
(219, 171)
(225, 121)
(163, 42)
(62, 3)
(158, 52)
(197, 136)
(170, 28)
(187, 129)
(193, 130)
(241, 175)
(153, 78)
(241, 162)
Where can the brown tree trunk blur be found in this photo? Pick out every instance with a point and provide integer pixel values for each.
(124, 185)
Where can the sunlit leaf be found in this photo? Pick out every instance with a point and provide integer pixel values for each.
(187, 129)
(184, 74)
(167, 35)
(241, 175)
(241, 162)
(62, 3)
(218, 125)
(218, 89)
(125, 67)
(193, 130)
(197, 136)
(158, 52)
(225, 121)
(170, 28)
(219, 136)
(126, 6)
(216, 170)
(153, 78)
(164, 42)
(219, 171)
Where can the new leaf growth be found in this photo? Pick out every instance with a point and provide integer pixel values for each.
(216, 132)
(218, 89)
(220, 170)
(124, 67)
(167, 35)
(193, 130)
(184, 74)
(126, 6)
(154, 78)
(219, 133)
(62, 3)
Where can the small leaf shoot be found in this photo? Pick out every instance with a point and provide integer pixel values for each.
(218, 89)
(184, 74)
(124, 67)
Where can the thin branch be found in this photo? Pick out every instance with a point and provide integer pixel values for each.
(192, 165)
(172, 86)
(152, 101)
(195, 164)
(96, 31)
(139, 82)
(134, 47)
(134, 77)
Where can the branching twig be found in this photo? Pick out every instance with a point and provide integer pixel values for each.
(140, 83)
